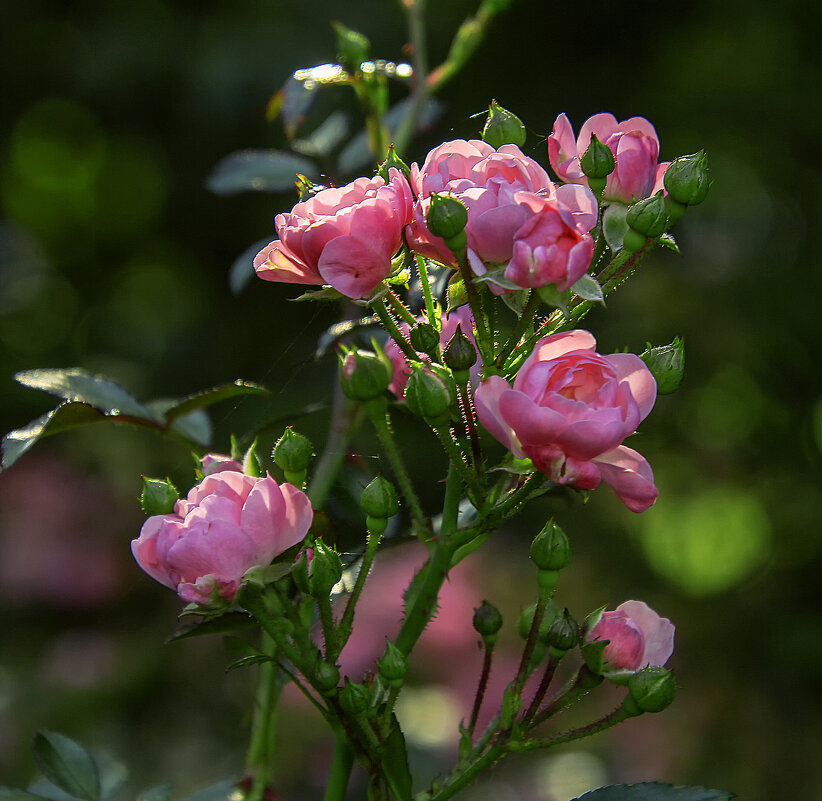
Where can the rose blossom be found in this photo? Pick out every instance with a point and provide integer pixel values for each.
(343, 237)
(638, 638)
(402, 369)
(516, 216)
(569, 411)
(634, 144)
(229, 523)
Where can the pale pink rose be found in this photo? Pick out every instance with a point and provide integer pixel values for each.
(343, 237)
(229, 523)
(569, 411)
(504, 191)
(217, 462)
(402, 369)
(635, 146)
(638, 638)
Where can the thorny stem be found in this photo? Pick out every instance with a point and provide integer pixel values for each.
(617, 716)
(581, 685)
(536, 701)
(393, 330)
(457, 459)
(433, 317)
(468, 416)
(400, 308)
(483, 683)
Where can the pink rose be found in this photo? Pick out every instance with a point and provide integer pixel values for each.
(634, 144)
(516, 216)
(343, 237)
(217, 462)
(569, 411)
(402, 369)
(229, 523)
(638, 638)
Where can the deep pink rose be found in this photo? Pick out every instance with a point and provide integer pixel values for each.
(634, 144)
(229, 523)
(638, 638)
(402, 369)
(343, 237)
(516, 216)
(570, 409)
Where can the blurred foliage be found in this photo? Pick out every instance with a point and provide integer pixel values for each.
(115, 257)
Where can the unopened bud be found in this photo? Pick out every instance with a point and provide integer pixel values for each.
(687, 179)
(598, 160)
(393, 160)
(379, 499)
(158, 496)
(457, 293)
(667, 365)
(424, 337)
(563, 634)
(447, 218)
(649, 217)
(551, 549)
(364, 375)
(354, 698)
(652, 688)
(487, 621)
(325, 571)
(502, 127)
(460, 354)
(428, 396)
(292, 454)
(326, 677)
(392, 665)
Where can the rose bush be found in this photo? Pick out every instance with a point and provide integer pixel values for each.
(516, 216)
(569, 411)
(344, 237)
(633, 142)
(229, 523)
(637, 638)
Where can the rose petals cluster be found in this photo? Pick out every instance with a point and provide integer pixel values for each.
(402, 369)
(228, 523)
(570, 409)
(637, 638)
(343, 237)
(633, 142)
(516, 216)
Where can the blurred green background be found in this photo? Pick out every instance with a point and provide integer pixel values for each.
(114, 256)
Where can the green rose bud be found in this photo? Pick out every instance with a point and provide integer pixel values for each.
(551, 549)
(424, 337)
(652, 689)
(354, 698)
(649, 217)
(563, 634)
(364, 375)
(502, 127)
(292, 454)
(598, 160)
(687, 179)
(325, 570)
(460, 354)
(667, 365)
(379, 499)
(447, 217)
(158, 496)
(326, 677)
(428, 396)
(392, 665)
(487, 622)
(393, 160)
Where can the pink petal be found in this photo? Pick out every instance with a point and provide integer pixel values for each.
(298, 516)
(630, 476)
(276, 263)
(352, 267)
(486, 401)
(659, 632)
(534, 425)
(634, 371)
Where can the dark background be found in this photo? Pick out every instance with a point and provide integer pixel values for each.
(114, 257)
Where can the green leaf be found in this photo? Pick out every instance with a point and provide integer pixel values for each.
(325, 137)
(258, 171)
(76, 384)
(654, 791)
(516, 301)
(65, 417)
(195, 426)
(668, 241)
(15, 794)
(208, 397)
(588, 288)
(326, 293)
(251, 659)
(67, 764)
(231, 621)
(333, 334)
(394, 762)
(614, 225)
(497, 277)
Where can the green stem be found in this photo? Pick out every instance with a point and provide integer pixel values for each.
(401, 309)
(547, 677)
(328, 626)
(525, 319)
(261, 749)
(377, 412)
(579, 686)
(619, 715)
(484, 339)
(347, 621)
(469, 418)
(433, 318)
(483, 683)
(457, 459)
(393, 330)
(462, 779)
(340, 772)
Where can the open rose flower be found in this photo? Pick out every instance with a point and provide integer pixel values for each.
(569, 411)
(344, 237)
(230, 522)
(516, 216)
(634, 144)
(637, 638)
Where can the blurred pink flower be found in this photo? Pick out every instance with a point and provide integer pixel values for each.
(633, 142)
(570, 409)
(344, 237)
(638, 637)
(229, 523)
(516, 216)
